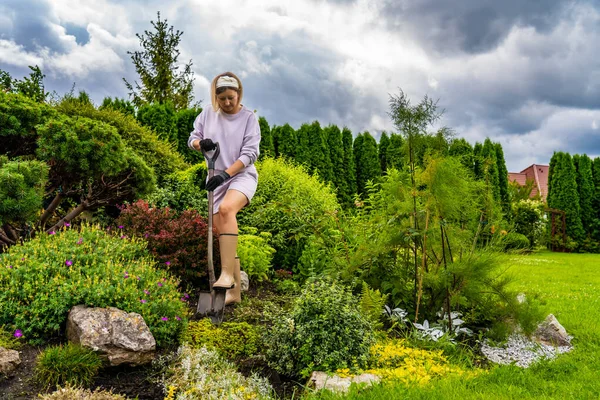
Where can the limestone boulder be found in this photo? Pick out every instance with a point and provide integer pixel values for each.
(9, 360)
(321, 380)
(245, 281)
(551, 332)
(117, 336)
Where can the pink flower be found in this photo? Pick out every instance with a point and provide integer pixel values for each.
(159, 284)
(67, 224)
(80, 241)
(52, 233)
(123, 236)
(120, 226)
(168, 263)
(164, 318)
(142, 301)
(146, 292)
(10, 267)
(68, 263)
(18, 333)
(177, 318)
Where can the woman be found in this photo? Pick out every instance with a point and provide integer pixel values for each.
(236, 129)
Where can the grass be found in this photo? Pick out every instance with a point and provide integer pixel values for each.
(568, 286)
(70, 364)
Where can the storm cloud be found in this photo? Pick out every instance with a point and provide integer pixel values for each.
(524, 74)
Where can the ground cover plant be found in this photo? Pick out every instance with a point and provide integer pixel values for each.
(42, 279)
(569, 287)
(70, 364)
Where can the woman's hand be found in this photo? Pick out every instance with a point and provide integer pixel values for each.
(207, 145)
(217, 180)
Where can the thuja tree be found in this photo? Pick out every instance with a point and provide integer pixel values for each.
(336, 155)
(158, 68)
(478, 160)
(384, 143)
(368, 167)
(491, 173)
(184, 120)
(319, 153)
(267, 147)
(349, 167)
(287, 142)
(395, 152)
(596, 198)
(117, 104)
(463, 150)
(160, 117)
(502, 179)
(563, 194)
(585, 189)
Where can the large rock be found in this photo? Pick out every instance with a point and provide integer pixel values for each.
(321, 380)
(244, 281)
(551, 332)
(9, 360)
(118, 337)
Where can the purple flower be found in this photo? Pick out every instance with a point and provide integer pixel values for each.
(185, 295)
(10, 267)
(23, 259)
(18, 333)
(139, 278)
(168, 263)
(147, 292)
(52, 233)
(120, 226)
(123, 236)
(146, 235)
(68, 263)
(183, 299)
(80, 241)
(142, 301)
(67, 224)
(164, 318)
(159, 284)
(177, 318)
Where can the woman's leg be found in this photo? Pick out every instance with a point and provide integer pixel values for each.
(226, 225)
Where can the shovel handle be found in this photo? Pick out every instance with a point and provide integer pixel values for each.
(210, 162)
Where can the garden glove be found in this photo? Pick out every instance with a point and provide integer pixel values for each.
(217, 180)
(207, 145)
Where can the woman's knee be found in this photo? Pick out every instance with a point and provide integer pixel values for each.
(227, 210)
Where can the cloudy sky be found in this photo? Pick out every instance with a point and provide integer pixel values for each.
(525, 73)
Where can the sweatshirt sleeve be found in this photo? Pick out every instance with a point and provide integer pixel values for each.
(250, 145)
(198, 132)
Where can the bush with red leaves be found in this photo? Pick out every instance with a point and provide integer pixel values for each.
(177, 240)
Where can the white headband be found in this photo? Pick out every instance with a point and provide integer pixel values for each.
(227, 81)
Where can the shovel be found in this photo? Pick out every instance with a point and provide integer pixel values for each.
(211, 303)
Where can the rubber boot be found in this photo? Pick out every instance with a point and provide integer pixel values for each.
(234, 295)
(228, 247)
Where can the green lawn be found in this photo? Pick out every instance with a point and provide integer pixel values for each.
(569, 287)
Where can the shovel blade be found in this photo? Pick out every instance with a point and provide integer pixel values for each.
(219, 301)
(205, 303)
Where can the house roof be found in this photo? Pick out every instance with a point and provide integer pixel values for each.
(538, 174)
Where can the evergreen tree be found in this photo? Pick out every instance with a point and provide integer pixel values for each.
(464, 151)
(478, 160)
(490, 167)
(302, 152)
(357, 149)
(287, 142)
(32, 87)
(157, 67)
(336, 155)
(161, 119)
(384, 144)
(319, 153)
(184, 120)
(349, 167)
(368, 167)
(395, 152)
(502, 179)
(596, 199)
(563, 194)
(585, 188)
(267, 147)
(123, 106)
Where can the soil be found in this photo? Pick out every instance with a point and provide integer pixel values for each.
(125, 380)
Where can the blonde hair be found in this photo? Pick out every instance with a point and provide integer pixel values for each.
(213, 89)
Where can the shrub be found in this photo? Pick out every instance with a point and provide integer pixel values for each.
(288, 203)
(201, 374)
(41, 280)
(529, 220)
(515, 241)
(70, 364)
(255, 253)
(233, 340)
(21, 190)
(70, 393)
(325, 331)
(179, 241)
(183, 190)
